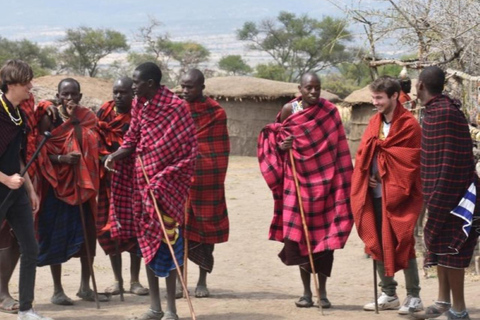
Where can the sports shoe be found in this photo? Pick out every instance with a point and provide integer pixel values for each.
(31, 315)
(410, 305)
(451, 315)
(385, 302)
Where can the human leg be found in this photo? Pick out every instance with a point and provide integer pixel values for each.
(85, 292)
(388, 300)
(155, 311)
(201, 291)
(412, 302)
(8, 260)
(135, 285)
(59, 297)
(170, 282)
(116, 262)
(305, 300)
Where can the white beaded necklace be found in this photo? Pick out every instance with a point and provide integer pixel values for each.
(17, 121)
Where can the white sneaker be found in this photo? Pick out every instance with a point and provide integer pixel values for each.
(31, 315)
(385, 302)
(411, 304)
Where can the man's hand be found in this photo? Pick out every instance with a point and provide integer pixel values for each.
(109, 163)
(71, 158)
(372, 182)
(14, 181)
(35, 202)
(287, 143)
(52, 112)
(70, 107)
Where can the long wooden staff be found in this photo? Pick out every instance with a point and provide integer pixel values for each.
(78, 136)
(185, 256)
(305, 229)
(179, 271)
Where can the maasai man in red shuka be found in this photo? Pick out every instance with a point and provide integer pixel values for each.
(68, 165)
(162, 135)
(207, 217)
(450, 191)
(312, 128)
(113, 122)
(386, 194)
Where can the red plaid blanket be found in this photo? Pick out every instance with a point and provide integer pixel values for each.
(324, 170)
(207, 220)
(63, 177)
(162, 132)
(399, 168)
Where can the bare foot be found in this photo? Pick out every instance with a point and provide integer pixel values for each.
(149, 315)
(114, 289)
(202, 292)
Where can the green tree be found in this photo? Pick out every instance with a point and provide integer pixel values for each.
(270, 71)
(41, 59)
(299, 44)
(87, 46)
(234, 65)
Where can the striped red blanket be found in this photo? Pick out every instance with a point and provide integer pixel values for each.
(162, 132)
(207, 220)
(399, 167)
(110, 127)
(324, 170)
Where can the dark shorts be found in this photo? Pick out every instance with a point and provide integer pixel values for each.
(322, 261)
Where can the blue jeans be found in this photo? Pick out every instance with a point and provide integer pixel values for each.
(18, 212)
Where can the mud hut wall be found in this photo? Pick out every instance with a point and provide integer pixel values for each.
(361, 114)
(246, 119)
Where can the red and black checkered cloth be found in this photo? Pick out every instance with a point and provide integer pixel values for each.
(162, 132)
(110, 127)
(447, 170)
(324, 170)
(398, 159)
(207, 220)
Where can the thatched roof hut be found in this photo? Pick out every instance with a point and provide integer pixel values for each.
(250, 104)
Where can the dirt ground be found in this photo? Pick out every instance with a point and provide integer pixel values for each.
(248, 282)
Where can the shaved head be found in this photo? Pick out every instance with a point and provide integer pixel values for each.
(126, 82)
(308, 76)
(433, 78)
(196, 76)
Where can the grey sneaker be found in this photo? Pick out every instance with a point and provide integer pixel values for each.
(385, 302)
(411, 305)
(453, 316)
(31, 315)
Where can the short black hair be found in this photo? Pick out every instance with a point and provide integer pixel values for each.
(196, 75)
(150, 70)
(433, 78)
(386, 84)
(71, 80)
(309, 74)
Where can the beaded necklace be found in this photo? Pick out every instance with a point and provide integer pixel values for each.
(17, 121)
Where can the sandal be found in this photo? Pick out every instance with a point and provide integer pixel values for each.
(169, 315)
(61, 299)
(138, 289)
(149, 315)
(90, 296)
(304, 302)
(433, 311)
(9, 305)
(325, 303)
(451, 315)
(114, 289)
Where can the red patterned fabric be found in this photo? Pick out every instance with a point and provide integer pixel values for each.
(162, 132)
(110, 127)
(398, 158)
(65, 178)
(28, 109)
(207, 209)
(324, 170)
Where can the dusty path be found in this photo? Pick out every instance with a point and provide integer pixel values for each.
(249, 282)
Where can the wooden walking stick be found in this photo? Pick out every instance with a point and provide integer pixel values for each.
(169, 244)
(78, 136)
(87, 244)
(305, 229)
(375, 289)
(185, 255)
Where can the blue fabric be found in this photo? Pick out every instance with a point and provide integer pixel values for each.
(59, 232)
(466, 208)
(163, 263)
